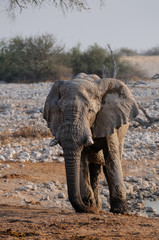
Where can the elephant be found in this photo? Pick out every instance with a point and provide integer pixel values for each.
(89, 118)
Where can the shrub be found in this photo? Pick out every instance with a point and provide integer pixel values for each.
(152, 52)
(39, 132)
(127, 52)
(128, 71)
(31, 59)
(40, 58)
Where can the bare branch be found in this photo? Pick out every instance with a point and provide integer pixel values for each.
(144, 111)
(115, 66)
(63, 4)
(150, 121)
(156, 76)
(146, 124)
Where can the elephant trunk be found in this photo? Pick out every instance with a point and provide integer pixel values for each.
(72, 165)
(73, 136)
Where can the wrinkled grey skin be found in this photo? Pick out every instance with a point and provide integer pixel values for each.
(89, 117)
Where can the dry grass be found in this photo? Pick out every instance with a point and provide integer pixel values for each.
(7, 136)
(149, 64)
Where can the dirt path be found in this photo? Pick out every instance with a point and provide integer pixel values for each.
(39, 222)
(32, 223)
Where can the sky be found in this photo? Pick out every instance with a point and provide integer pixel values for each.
(132, 24)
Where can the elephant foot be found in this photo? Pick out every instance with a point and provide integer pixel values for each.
(119, 206)
(89, 202)
(88, 210)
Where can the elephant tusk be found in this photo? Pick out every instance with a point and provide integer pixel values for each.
(89, 141)
(53, 142)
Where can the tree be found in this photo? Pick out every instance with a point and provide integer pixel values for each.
(77, 60)
(152, 52)
(32, 59)
(63, 4)
(95, 57)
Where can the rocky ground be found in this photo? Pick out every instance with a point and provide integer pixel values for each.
(33, 193)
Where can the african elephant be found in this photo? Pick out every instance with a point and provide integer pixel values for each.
(89, 117)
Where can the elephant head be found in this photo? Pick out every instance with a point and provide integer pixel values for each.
(81, 110)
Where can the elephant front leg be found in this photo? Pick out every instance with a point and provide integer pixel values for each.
(114, 175)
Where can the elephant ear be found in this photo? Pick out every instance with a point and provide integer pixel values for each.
(118, 107)
(51, 109)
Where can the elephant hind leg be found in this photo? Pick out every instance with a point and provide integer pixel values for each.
(95, 171)
(89, 177)
(96, 160)
(86, 190)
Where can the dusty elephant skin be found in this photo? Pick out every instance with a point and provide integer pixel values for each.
(89, 117)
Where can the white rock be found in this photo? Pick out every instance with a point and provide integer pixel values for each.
(140, 214)
(22, 165)
(105, 204)
(46, 160)
(129, 188)
(9, 157)
(144, 185)
(64, 186)
(28, 187)
(136, 188)
(11, 151)
(61, 195)
(36, 155)
(51, 186)
(8, 145)
(24, 156)
(105, 192)
(22, 160)
(17, 194)
(150, 209)
(6, 166)
(2, 158)
(47, 197)
(60, 159)
(33, 160)
(60, 152)
(45, 156)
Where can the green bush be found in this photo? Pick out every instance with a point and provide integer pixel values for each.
(40, 58)
(89, 61)
(128, 71)
(31, 59)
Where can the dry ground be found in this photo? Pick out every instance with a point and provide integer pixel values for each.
(32, 221)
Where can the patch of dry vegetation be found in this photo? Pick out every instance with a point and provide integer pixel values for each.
(8, 136)
(148, 64)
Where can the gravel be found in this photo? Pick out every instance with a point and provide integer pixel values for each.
(22, 105)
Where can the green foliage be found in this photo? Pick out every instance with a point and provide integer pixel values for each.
(128, 71)
(89, 61)
(77, 60)
(31, 59)
(95, 57)
(40, 58)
